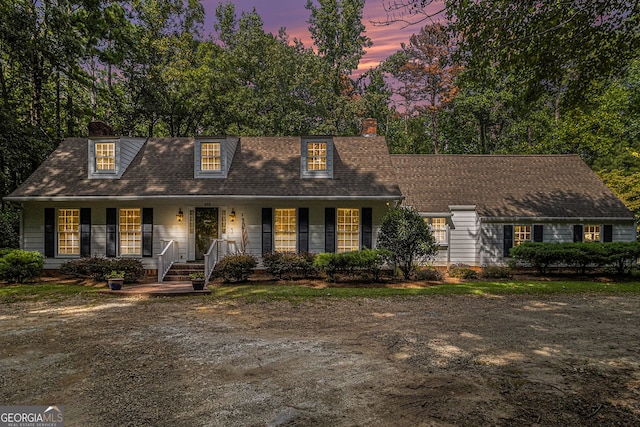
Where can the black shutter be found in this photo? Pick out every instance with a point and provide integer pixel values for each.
(112, 227)
(303, 229)
(607, 233)
(329, 229)
(49, 232)
(538, 234)
(147, 232)
(577, 233)
(85, 232)
(267, 230)
(508, 239)
(367, 227)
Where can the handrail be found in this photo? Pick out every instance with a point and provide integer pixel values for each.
(211, 259)
(167, 257)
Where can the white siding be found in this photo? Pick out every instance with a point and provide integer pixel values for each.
(464, 240)
(493, 236)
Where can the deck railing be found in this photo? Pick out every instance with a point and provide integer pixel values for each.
(211, 258)
(167, 257)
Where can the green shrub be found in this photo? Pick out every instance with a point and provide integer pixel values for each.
(429, 274)
(462, 271)
(496, 273)
(620, 255)
(330, 264)
(367, 263)
(289, 265)
(98, 268)
(19, 266)
(235, 267)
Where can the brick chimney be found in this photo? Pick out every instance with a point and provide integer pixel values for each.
(369, 127)
(98, 128)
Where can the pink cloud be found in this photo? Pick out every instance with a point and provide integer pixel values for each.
(292, 15)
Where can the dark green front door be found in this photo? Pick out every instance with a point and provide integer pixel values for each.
(206, 230)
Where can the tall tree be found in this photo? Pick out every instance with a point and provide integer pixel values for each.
(426, 70)
(338, 33)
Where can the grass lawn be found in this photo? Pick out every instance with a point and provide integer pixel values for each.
(292, 292)
(297, 291)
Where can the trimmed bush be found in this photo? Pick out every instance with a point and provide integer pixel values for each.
(620, 255)
(289, 265)
(461, 271)
(367, 263)
(429, 274)
(18, 266)
(98, 268)
(496, 273)
(235, 267)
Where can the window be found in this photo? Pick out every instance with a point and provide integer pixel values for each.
(348, 230)
(521, 234)
(69, 231)
(285, 230)
(317, 156)
(591, 233)
(438, 229)
(316, 159)
(105, 156)
(210, 159)
(130, 232)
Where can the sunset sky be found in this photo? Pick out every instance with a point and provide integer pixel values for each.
(292, 15)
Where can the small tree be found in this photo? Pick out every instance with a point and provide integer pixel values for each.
(407, 237)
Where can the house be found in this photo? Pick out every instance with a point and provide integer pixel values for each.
(480, 206)
(167, 200)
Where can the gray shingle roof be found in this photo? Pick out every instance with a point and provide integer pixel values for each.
(541, 186)
(261, 167)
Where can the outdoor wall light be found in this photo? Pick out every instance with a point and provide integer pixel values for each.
(232, 215)
(179, 215)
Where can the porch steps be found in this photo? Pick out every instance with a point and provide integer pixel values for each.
(179, 272)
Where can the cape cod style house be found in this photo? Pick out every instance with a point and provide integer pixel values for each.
(168, 200)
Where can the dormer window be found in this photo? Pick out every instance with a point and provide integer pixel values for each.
(105, 156)
(210, 156)
(316, 158)
(213, 156)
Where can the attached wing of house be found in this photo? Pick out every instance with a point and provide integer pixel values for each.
(481, 205)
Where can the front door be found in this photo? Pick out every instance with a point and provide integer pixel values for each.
(206, 230)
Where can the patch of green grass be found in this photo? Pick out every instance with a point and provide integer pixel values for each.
(48, 291)
(254, 293)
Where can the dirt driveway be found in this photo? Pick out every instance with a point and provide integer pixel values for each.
(430, 361)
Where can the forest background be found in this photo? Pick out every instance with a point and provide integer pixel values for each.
(477, 76)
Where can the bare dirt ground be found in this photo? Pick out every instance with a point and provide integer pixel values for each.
(419, 361)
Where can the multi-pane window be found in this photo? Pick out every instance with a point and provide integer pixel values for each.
(317, 156)
(69, 231)
(348, 230)
(105, 156)
(439, 229)
(130, 232)
(210, 156)
(591, 233)
(521, 234)
(285, 230)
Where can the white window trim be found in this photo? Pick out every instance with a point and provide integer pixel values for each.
(304, 167)
(197, 159)
(295, 230)
(61, 255)
(93, 166)
(358, 232)
(119, 246)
